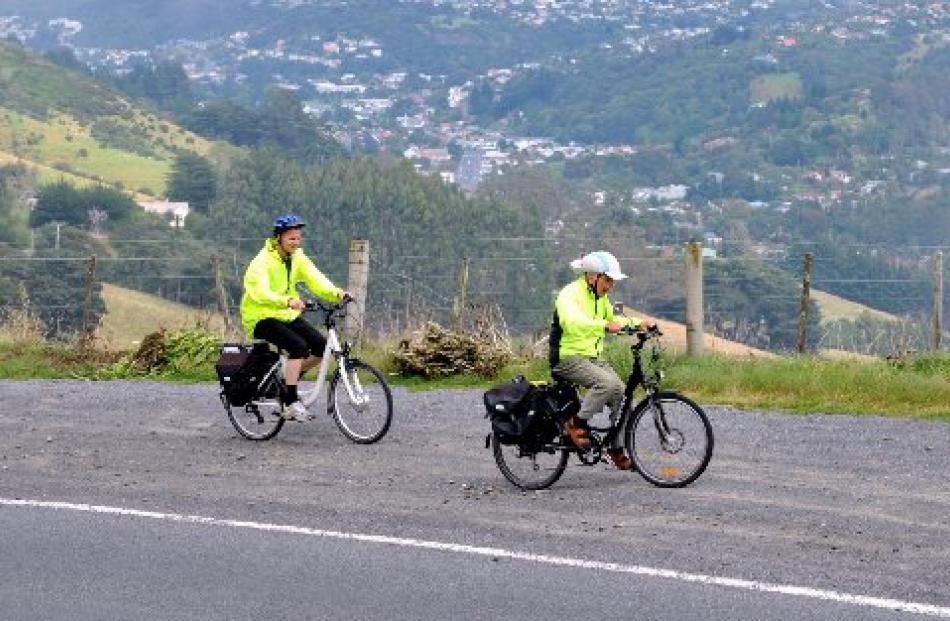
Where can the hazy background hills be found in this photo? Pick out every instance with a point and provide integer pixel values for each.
(764, 129)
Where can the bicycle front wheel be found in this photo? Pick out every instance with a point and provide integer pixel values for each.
(530, 469)
(669, 439)
(360, 401)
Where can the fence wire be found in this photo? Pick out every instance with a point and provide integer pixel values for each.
(753, 301)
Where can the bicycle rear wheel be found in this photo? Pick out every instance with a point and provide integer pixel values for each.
(669, 439)
(530, 468)
(258, 423)
(360, 401)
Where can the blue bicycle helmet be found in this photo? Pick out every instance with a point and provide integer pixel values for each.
(287, 222)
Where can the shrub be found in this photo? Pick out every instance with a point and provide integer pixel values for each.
(437, 352)
(21, 325)
(190, 352)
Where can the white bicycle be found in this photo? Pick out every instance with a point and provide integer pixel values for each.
(359, 400)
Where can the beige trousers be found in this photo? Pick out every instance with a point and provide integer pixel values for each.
(604, 387)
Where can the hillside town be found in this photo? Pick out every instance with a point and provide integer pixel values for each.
(349, 81)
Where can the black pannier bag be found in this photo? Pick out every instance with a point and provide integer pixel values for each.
(511, 407)
(241, 368)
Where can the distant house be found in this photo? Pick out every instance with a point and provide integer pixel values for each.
(664, 193)
(177, 211)
(712, 239)
(435, 156)
(720, 143)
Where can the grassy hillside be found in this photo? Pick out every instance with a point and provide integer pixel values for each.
(833, 308)
(675, 339)
(66, 125)
(130, 315)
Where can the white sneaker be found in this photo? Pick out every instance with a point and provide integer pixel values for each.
(295, 411)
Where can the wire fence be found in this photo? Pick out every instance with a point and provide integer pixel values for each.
(756, 301)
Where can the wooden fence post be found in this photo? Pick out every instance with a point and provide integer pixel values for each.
(221, 293)
(357, 278)
(938, 301)
(458, 304)
(803, 307)
(408, 305)
(87, 328)
(694, 298)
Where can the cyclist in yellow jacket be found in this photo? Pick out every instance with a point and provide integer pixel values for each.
(583, 316)
(271, 306)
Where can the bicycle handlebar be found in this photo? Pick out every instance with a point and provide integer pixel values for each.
(329, 307)
(649, 333)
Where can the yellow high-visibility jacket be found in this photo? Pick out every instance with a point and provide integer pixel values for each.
(269, 284)
(580, 322)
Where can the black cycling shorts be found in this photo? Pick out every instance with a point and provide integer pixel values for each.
(298, 337)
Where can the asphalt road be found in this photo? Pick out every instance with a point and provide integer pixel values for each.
(849, 505)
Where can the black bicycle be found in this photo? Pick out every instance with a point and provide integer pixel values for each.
(667, 435)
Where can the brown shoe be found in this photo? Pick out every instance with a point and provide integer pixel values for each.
(576, 432)
(620, 459)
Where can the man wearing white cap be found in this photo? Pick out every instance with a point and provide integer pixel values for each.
(583, 316)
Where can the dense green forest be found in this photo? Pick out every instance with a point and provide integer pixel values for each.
(417, 227)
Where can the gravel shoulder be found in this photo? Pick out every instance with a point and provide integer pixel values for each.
(856, 504)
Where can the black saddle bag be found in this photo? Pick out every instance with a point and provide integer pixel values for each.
(241, 368)
(511, 408)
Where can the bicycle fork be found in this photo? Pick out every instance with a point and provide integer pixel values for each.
(353, 386)
(671, 440)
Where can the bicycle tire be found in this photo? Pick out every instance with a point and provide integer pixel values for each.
(550, 476)
(646, 446)
(252, 427)
(352, 418)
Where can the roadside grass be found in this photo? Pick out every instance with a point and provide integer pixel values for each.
(917, 387)
(38, 360)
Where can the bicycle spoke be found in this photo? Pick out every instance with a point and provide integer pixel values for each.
(534, 468)
(261, 423)
(361, 402)
(670, 440)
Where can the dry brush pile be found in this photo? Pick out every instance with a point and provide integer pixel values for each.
(434, 351)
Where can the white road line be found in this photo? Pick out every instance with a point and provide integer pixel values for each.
(639, 570)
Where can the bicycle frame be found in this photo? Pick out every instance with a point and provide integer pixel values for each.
(334, 349)
(638, 377)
